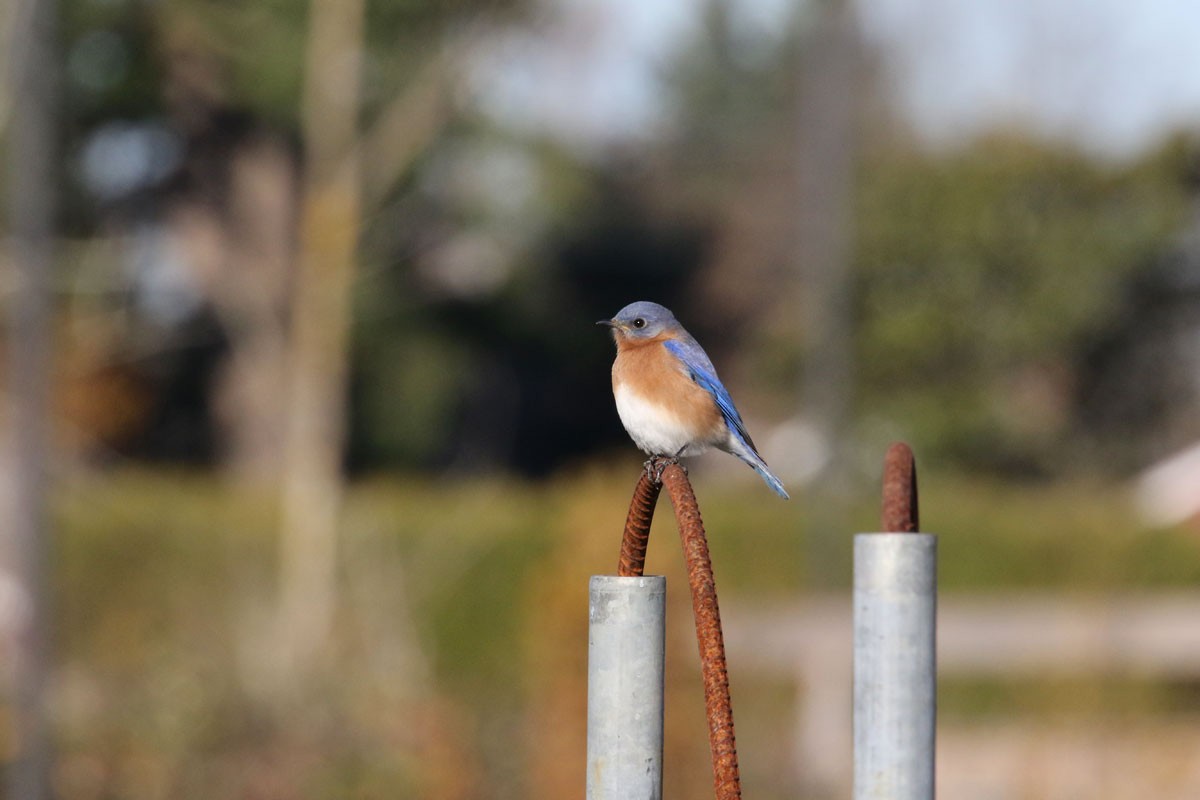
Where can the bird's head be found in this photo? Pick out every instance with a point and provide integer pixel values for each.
(641, 321)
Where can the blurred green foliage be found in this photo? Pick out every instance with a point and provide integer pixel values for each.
(982, 272)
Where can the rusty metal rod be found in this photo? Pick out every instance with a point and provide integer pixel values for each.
(900, 511)
(711, 641)
(636, 537)
(709, 636)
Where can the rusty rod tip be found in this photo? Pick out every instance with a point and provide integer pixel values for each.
(900, 506)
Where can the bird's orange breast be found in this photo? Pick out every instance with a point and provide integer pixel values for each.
(649, 370)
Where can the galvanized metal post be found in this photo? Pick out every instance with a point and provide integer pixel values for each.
(626, 635)
(895, 665)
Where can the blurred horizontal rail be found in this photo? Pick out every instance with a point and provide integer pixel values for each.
(1003, 635)
(1150, 634)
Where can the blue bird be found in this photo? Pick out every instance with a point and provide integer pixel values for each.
(668, 395)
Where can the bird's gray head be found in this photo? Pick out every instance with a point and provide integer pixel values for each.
(641, 320)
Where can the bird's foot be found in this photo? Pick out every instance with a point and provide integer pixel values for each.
(655, 465)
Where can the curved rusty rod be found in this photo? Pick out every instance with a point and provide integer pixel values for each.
(632, 562)
(717, 704)
(900, 512)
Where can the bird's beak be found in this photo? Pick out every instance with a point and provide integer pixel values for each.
(608, 323)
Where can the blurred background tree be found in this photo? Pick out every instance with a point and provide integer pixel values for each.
(981, 277)
(477, 237)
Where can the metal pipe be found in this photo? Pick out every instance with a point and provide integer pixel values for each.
(895, 665)
(626, 641)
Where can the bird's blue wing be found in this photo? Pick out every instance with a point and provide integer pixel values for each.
(702, 371)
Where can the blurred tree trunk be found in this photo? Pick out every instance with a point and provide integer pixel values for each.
(32, 175)
(335, 191)
(251, 293)
(830, 86)
(314, 430)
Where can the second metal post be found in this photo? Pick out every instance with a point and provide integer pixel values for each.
(895, 665)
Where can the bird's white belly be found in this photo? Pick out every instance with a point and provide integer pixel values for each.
(655, 429)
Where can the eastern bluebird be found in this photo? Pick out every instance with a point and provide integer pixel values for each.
(668, 395)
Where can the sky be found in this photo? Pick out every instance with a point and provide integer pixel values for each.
(1110, 75)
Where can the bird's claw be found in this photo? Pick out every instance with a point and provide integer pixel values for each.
(655, 465)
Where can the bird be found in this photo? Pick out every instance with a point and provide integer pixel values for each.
(668, 395)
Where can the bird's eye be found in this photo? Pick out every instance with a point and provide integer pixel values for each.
(639, 323)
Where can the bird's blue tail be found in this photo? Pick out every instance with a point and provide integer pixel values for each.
(745, 451)
(769, 478)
